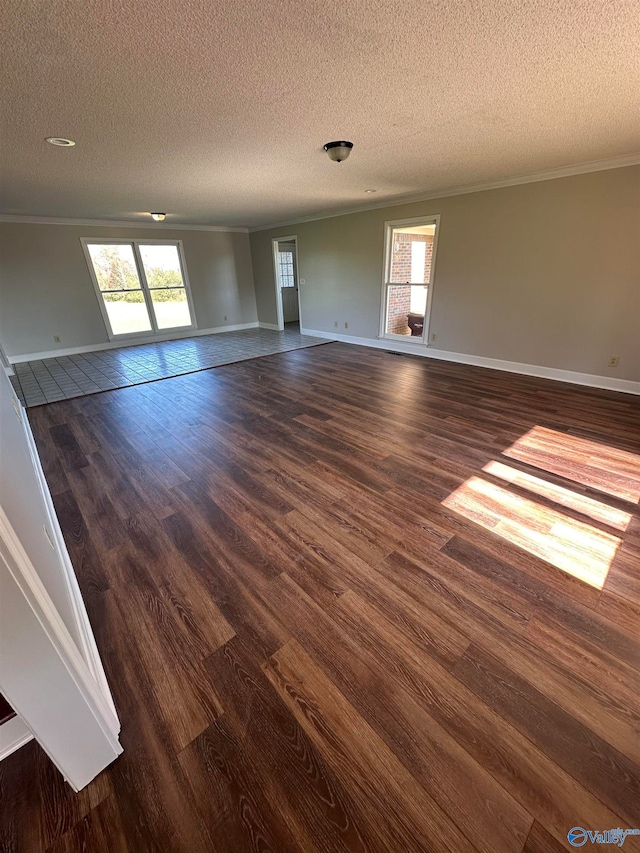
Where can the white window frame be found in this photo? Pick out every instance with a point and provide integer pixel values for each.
(154, 331)
(286, 275)
(432, 219)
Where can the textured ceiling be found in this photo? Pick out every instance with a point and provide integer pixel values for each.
(217, 111)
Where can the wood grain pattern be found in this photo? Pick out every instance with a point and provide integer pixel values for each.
(382, 787)
(312, 647)
(539, 841)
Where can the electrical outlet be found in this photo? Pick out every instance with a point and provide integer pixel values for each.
(335, 323)
(346, 325)
(302, 281)
(434, 337)
(614, 361)
(225, 319)
(56, 338)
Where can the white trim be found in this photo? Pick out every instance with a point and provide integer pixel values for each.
(627, 386)
(13, 734)
(97, 718)
(391, 201)
(89, 648)
(4, 362)
(410, 198)
(276, 279)
(25, 575)
(389, 226)
(144, 285)
(117, 223)
(273, 326)
(291, 238)
(118, 344)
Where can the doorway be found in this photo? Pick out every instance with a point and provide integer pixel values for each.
(285, 261)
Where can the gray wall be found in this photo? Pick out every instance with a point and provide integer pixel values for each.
(46, 290)
(546, 273)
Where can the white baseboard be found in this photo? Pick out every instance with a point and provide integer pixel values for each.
(608, 383)
(132, 342)
(13, 734)
(273, 326)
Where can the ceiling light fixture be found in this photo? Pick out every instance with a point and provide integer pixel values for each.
(338, 151)
(371, 191)
(158, 216)
(60, 141)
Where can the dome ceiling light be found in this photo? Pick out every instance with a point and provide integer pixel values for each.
(338, 151)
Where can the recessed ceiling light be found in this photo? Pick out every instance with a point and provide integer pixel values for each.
(158, 216)
(371, 191)
(60, 141)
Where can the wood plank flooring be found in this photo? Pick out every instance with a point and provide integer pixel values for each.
(349, 601)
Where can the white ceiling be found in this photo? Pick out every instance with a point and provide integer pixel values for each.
(217, 111)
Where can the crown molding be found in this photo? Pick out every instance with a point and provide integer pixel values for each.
(117, 223)
(392, 201)
(410, 198)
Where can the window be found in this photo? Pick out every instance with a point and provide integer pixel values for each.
(285, 263)
(410, 257)
(141, 286)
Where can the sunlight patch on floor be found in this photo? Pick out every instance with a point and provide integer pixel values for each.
(606, 469)
(573, 546)
(589, 507)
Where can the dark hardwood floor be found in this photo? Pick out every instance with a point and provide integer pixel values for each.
(349, 601)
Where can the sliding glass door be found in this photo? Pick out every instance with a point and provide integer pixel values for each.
(141, 286)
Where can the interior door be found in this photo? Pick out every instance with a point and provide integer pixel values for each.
(288, 280)
(290, 309)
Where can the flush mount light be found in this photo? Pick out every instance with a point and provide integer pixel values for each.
(158, 216)
(60, 141)
(338, 151)
(371, 191)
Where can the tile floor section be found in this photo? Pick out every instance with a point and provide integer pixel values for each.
(53, 379)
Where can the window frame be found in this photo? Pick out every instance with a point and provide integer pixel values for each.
(282, 264)
(154, 331)
(390, 226)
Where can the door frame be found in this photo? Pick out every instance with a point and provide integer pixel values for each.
(51, 672)
(79, 731)
(276, 275)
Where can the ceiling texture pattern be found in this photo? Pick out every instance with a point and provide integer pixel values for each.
(217, 111)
